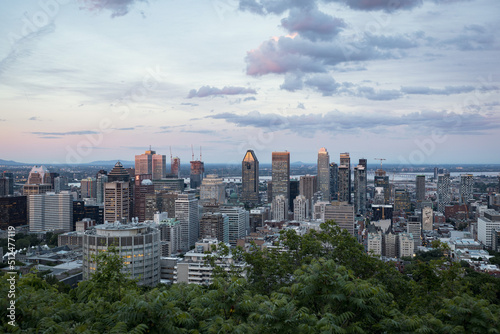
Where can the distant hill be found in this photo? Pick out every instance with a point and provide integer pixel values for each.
(11, 163)
(110, 163)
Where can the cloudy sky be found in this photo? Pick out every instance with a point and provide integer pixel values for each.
(412, 81)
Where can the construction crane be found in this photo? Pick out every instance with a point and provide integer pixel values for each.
(381, 159)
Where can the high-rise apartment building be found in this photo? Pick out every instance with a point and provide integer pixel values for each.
(345, 178)
(212, 190)
(88, 188)
(420, 188)
(238, 219)
(324, 173)
(197, 174)
(307, 188)
(151, 163)
(279, 208)
(402, 200)
(101, 179)
(143, 188)
(51, 212)
(186, 211)
(170, 236)
(301, 208)
(250, 179)
(443, 191)
(7, 184)
(334, 181)
(466, 187)
(215, 225)
(281, 176)
(360, 184)
(116, 201)
(342, 213)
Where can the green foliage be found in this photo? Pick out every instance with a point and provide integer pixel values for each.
(322, 282)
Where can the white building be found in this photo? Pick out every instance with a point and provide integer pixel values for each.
(415, 229)
(193, 269)
(300, 208)
(374, 243)
(279, 207)
(137, 244)
(170, 236)
(238, 220)
(319, 210)
(187, 213)
(486, 226)
(51, 211)
(406, 245)
(466, 187)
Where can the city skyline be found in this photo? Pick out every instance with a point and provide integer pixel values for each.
(415, 83)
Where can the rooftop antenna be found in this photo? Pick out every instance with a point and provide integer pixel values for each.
(192, 153)
(171, 158)
(150, 147)
(200, 152)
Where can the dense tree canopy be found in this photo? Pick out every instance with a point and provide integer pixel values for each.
(324, 283)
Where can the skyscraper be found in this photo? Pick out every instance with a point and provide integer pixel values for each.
(143, 188)
(13, 211)
(281, 175)
(301, 208)
(101, 179)
(215, 225)
(238, 218)
(116, 201)
(360, 189)
(212, 190)
(88, 188)
(381, 180)
(466, 187)
(151, 163)
(443, 191)
(345, 178)
(307, 188)
(197, 174)
(324, 173)
(186, 211)
(51, 211)
(401, 200)
(250, 178)
(420, 188)
(342, 214)
(279, 208)
(175, 167)
(6, 184)
(334, 182)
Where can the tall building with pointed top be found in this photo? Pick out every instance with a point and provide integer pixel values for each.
(151, 163)
(324, 173)
(250, 178)
(281, 175)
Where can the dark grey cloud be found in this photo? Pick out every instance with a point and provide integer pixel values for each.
(312, 24)
(473, 37)
(214, 91)
(301, 105)
(125, 129)
(116, 7)
(377, 95)
(250, 98)
(323, 83)
(34, 118)
(189, 104)
(69, 133)
(337, 122)
(263, 7)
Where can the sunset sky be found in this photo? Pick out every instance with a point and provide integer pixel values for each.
(412, 81)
